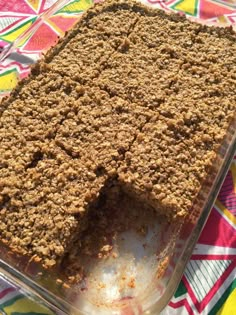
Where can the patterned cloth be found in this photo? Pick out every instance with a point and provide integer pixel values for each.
(209, 282)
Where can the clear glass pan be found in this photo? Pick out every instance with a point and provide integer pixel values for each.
(153, 271)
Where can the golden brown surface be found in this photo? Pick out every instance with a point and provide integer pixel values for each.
(130, 94)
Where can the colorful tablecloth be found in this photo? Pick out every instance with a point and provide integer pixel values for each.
(209, 282)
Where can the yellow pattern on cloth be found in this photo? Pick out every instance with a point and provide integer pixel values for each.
(229, 308)
(8, 80)
(27, 305)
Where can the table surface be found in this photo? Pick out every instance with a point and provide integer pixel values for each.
(208, 285)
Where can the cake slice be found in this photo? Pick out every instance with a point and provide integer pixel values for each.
(37, 208)
(84, 51)
(166, 54)
(100, 129)
(172, 155)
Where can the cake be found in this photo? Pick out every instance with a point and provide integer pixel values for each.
(131, 97)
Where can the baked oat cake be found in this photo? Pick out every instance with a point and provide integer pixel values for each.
(131, 96)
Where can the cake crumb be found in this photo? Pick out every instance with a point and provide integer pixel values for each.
(131, 283)
(114, 255)
(101, 285)
(59, 281)
(66, 286)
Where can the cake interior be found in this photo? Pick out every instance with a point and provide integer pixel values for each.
(118, 226)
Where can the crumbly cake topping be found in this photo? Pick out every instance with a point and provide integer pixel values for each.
(130, 94)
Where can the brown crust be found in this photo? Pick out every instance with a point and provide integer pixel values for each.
(158, 110)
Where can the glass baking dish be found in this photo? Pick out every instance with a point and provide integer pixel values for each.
(150, 264)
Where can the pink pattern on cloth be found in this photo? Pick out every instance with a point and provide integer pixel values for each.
(227, 194)
(218, 232)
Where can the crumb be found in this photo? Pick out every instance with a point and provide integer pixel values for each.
(162, 267)
(66, 286)
(106, 248)
(131, 283)
(101, 285)
(71, 279)
(59, 281)
(114, 255)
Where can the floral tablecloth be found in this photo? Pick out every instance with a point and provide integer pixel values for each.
(208, 285)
